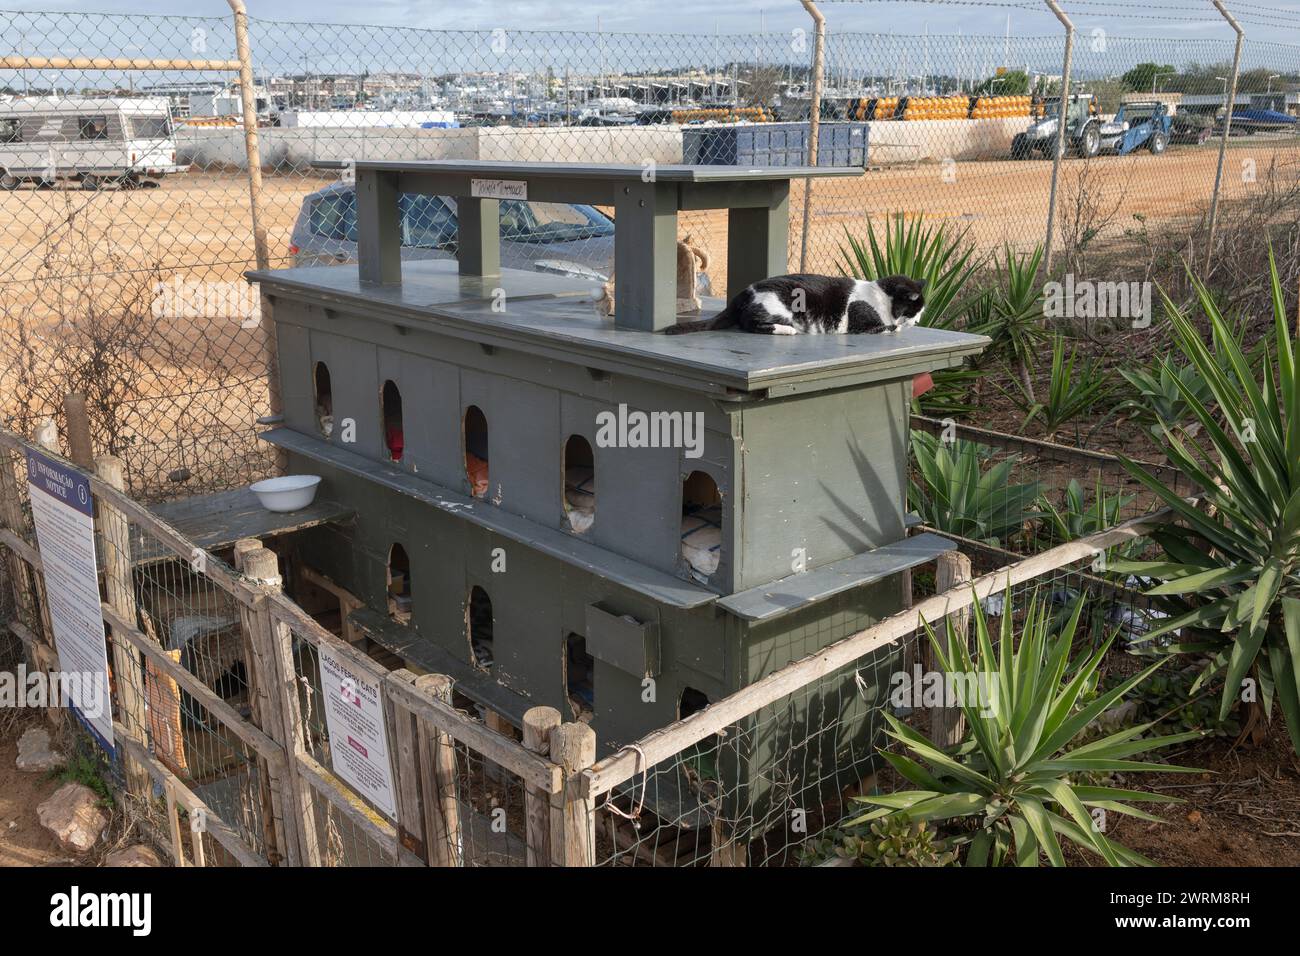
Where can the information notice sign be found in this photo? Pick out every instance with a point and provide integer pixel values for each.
(64, 514)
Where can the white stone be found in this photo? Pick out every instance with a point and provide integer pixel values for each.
(73, 815)
(35, 755)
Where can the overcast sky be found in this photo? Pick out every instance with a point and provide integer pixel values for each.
(1168, 18)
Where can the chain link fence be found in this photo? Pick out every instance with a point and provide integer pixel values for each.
(125, 215)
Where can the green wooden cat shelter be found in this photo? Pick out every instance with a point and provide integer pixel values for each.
(512, 548)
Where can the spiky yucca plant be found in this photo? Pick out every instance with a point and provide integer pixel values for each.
(1011, 314)
(1015, 786)
(1074, 388)
(944, 260)
(1232, 568)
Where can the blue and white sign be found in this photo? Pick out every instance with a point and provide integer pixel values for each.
(63, 511)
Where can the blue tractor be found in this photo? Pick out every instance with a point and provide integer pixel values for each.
(1138, 124)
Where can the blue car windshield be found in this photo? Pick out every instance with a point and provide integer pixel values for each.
(430, 221)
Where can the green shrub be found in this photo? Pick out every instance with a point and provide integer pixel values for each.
(1011, 315)
(890, 841)
(1073, 390)
(1157, 402)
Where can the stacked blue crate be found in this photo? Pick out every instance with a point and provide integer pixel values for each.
(775, 144)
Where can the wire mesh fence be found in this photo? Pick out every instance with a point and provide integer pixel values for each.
(1007, 496)
(784, 785)
(127, 222)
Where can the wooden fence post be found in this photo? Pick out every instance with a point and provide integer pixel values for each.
(256, 562)
(438, 779)
(21, 575)
(273, 647)
(163, 695)
(573, 817)
(953, 570)
(80, 447)
(119, 586)
(726, 849)
(404, 748)
(538, 724)
(241, 549)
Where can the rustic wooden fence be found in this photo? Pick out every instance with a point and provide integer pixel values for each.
(250, 782)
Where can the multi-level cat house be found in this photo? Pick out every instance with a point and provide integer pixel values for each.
(536, 515)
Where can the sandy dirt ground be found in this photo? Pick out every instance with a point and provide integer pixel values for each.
(198, 224)
(23, 841)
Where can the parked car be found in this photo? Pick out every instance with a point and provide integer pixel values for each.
(1194, 128)
(560, 238)
(92, 140)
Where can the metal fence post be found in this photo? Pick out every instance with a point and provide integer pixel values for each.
(1229, 98)
(814, 120)
(1062, 121)
(248, 107)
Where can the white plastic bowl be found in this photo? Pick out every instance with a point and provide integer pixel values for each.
(288, 493)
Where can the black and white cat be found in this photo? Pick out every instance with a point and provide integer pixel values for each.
(816, 305)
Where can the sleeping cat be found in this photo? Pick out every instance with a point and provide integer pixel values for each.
(813, 305)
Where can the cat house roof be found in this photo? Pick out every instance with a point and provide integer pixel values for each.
(592, 175)
(555, 317)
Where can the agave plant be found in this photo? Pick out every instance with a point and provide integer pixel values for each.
(1078, 517)
(1157, 398)
(1069, 395)
(1232, 568)
(959, 490)
(897, 840)
(945, 261)
(1011, 314)
(1015, 785)
(1157, 401)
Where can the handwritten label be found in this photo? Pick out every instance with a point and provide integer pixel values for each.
(498, 189)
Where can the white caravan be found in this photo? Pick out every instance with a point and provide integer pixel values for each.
(92, 140)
